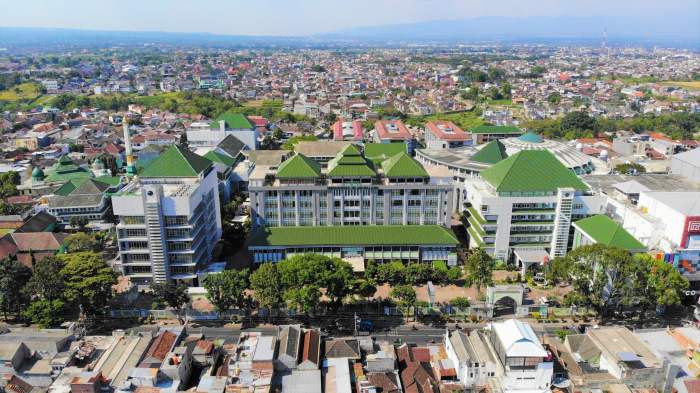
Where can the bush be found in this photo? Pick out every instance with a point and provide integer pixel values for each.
(454, 274)
(535, 315)
(460, 302)
(422, 303)
(439, 272)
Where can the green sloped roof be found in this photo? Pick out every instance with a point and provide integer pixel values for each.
(402, 165)
(350, 163)
(177, 161)
(233, 121)
(531, 170)
(355, 235)
(299, 167)
(484, 129)
(602, 229)
(378, 152)
(221, 158)
(109, 180)
(65, 169)
(492, 153)
(70, 186)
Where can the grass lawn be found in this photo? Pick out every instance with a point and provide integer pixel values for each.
(5, 231)
(23, 91)
(274, 104)
(464, 120)
(499, 102)
(694, 85)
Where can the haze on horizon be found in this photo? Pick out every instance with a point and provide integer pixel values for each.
(308, 17)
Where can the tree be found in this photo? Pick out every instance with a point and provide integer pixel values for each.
(13, 277)
(365, 288)
(630, 168)
(45, 313)
(338, 281)
(79, 222)
(391, 272)
(88, 281)
(460, 302)
(47, 282)
(227, 289)
(266, 285)
(417, 273)
(578, 121)
(479, 267)
(506, 90)
(554, 98)
(665, 284)
(404, 295)
(303, 299)
(170, 293)
(81, 241)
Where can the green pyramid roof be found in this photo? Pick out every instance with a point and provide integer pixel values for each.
(378, 152)
(531, 137)
(492, 153)
(177, 161)
(350, 163)
(602, 229)
(65, 169)
(531, 170)
(233, 121)
(402, 165)
(299, 167)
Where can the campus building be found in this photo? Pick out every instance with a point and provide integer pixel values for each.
(521, 208)
(393, 131)
(168, 218)
(210, 134)
(353, 207)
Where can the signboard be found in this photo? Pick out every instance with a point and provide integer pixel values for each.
(691, 233)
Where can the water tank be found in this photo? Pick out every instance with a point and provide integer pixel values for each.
(579, 146)
(604, 155)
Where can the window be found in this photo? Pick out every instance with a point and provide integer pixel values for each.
(132, 220)
(176, 220)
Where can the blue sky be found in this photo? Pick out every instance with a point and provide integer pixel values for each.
(304, 17)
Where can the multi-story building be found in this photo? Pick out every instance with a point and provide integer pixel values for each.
(384, 210)
(521, 208)
(210, 134)
(168, 218)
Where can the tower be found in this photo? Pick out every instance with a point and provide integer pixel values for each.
(130, 159)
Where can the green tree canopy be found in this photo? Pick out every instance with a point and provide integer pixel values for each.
(170, 293)
(266, 285)
(226, 290)
(479, 268)
(88, 281)
(81, 241)
(47, 282)
(13, 277)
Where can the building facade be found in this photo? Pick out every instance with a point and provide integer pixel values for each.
(527, 202)
(352, 191)
(169, 219)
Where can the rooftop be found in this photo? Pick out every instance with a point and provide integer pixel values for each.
(233, 121)
(177, 161)
(531, 170)
(518, 339)
(355, 235)
(491, 153)
(484, 129)
(446, 130)
(602, 229)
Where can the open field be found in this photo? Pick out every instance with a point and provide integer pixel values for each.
(694, 85)
(23, 91)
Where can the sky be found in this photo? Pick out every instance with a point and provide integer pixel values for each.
(307, 17)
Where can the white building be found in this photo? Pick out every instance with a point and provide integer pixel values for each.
(521, 208)
(210, 134)
(169, 218)
(474, 362)
(525, 366)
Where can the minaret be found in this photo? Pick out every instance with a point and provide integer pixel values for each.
(130, 168)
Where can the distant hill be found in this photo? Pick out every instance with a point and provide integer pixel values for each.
(680, 30)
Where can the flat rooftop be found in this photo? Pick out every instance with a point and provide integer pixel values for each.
(458, 157)
(652, 181)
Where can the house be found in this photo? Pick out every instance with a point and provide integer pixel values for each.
(442, 134)
(415, 370)
(601, 229)
(31, 247)
(343, 348)
(311, 350)
(289, 345)
(473, 361)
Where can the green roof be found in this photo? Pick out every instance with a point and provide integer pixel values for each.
(233, 121)
(602, 229)
(299, 167)
(65, 169)
(402, 165)
(531, 170)
(350, 163)
(69, 186)
(177, 161)
(355, 236)
(483, 129)
(531, 137)
(221, 158)
(378, 152)
(492, 153)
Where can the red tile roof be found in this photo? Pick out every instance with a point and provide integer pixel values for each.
(446, 130)
(357, 131)
(161, 345)
(392, 129)
(311, 347)
(38, 241)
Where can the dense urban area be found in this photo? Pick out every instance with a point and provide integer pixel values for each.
(418, 219)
